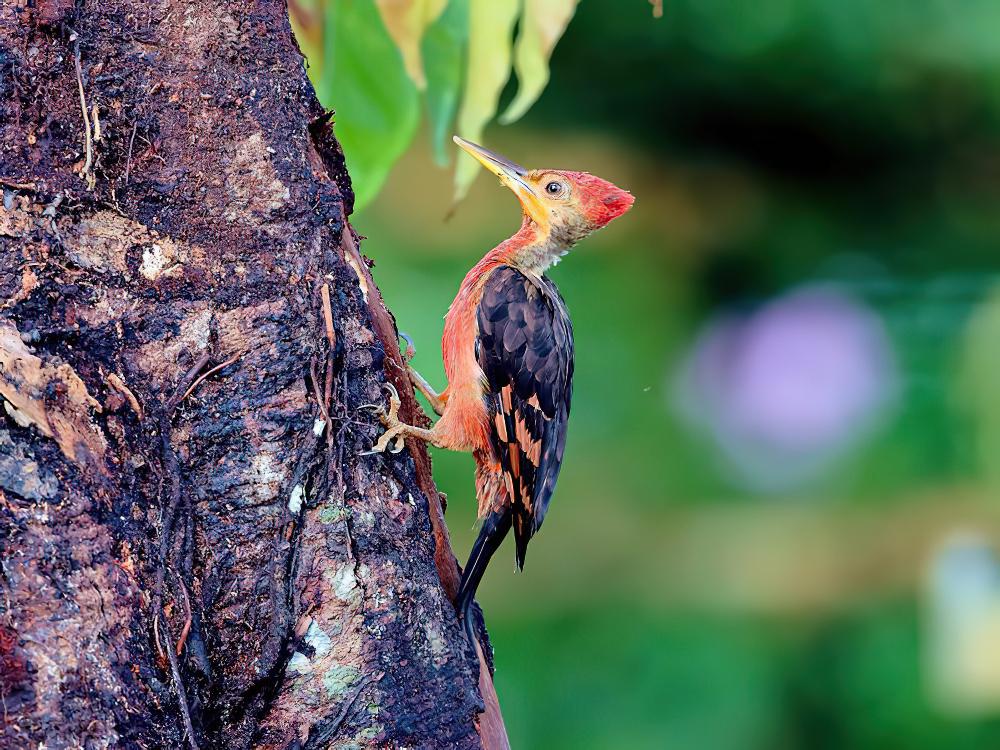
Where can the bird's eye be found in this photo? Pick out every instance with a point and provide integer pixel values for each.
(554, 188)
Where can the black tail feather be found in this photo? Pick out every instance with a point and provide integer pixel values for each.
(491, 535)
(523, 529)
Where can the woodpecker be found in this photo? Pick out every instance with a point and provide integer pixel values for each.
(508, 357)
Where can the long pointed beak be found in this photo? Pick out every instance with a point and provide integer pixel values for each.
(512, 175)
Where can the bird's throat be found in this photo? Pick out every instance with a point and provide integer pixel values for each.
(538, 258)
(534, 250)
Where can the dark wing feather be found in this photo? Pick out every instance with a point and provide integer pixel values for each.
(525, 349)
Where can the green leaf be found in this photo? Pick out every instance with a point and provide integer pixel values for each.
(542, 24)
(406, 21)
(444, 51)
(364, 81)
(491, 23)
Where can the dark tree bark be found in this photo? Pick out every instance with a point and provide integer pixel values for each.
(193, 550)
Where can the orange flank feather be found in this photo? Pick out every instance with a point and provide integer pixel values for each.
(464, 424)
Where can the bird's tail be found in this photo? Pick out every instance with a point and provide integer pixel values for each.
(523, 529)
(491, 535)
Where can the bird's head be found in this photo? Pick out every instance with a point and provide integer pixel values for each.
(565, 206)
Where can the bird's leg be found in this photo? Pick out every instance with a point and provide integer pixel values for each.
(396, 432)
(419, 382)
(433, 397)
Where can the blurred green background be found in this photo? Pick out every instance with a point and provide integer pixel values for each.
(776, 521)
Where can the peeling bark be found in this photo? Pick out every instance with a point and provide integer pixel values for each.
(193, 551)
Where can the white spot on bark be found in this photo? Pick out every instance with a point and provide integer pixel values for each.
(16, 414)
(299, 663)
(318, 639)
(252, 182)
(153, 262)
(266, 476)
(436, 642)
(198, 327)
(344, 583)
(295, 501)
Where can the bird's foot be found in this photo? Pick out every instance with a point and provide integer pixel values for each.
(395, 432)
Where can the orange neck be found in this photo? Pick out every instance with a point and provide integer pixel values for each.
(531, 250)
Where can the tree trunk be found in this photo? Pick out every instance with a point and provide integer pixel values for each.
(193, 551)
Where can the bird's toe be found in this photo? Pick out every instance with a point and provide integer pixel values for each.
(410, 350)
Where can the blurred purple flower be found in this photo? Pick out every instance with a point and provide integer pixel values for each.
(788, 389)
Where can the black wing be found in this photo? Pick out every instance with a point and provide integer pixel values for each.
(525, 349)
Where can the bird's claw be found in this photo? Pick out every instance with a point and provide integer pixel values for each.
(394, 436)
(391, 419)
(385, 416)
(410, 351)
(395, 429)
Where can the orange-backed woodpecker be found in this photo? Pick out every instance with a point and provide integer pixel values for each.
(508, 356)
